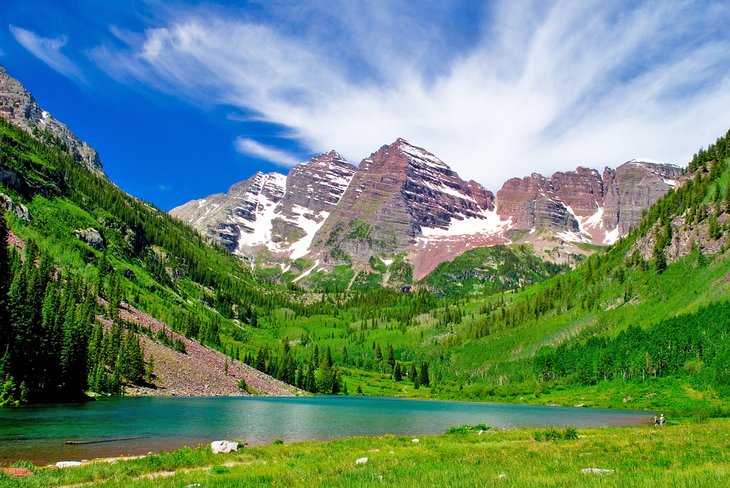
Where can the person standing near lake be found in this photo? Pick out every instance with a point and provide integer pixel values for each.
(662, 420)
(656, 421)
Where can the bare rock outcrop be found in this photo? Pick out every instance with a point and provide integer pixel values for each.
(404, 201)
(18, 107)
(272, 214)
(399, 194)
(582, 203)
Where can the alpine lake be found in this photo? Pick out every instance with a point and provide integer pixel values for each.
(136, 425)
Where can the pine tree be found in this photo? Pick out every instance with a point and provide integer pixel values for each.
(5, 279)
(412, 373)
(336, 381)
(149, 370)
(311, 382)
(423, 376)
(397, 374)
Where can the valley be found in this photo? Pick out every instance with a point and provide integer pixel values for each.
(393, 278)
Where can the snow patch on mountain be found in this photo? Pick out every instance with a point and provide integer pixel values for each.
(488, 223)
(301, 247)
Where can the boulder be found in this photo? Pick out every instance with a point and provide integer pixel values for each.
(362, 460)
(218, 447)
(598, 471)
(67, 464)
(20, 210)
(17, 472)
(92, 237)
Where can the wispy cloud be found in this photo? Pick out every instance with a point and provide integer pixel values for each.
(47, 50)
(537, 86)
(269, 154)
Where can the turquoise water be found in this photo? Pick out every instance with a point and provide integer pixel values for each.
(116, 426)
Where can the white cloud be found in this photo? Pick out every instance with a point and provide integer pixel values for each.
(541, 88)
(47, 50)
(270, 154)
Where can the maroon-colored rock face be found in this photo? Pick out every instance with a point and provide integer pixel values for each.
(272, 212)
(404, 200)
(601, 207)
(516, 199)
(581, 190)
(631, 189)
(396, 193)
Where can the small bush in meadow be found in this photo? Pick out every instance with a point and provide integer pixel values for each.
(465, 429)
(570, 433)
(553, 434)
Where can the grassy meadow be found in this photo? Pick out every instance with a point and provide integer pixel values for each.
(680, 454)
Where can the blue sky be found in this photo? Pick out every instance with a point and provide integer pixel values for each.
(183, 99)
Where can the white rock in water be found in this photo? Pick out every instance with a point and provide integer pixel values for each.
(596, 471)
(223, 446)
(67, 464)
(361, 461)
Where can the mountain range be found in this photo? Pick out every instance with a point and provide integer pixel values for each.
(402, 204)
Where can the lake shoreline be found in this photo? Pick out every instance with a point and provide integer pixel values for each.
(684, 454)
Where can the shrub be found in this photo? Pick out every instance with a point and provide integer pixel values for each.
(553, 434)
(465, 429)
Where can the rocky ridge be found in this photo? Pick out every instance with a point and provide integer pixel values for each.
(404, 201)
(272, 216)
(583, 205)
(18, 107)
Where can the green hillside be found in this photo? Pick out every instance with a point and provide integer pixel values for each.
(108, 245)
(489, 270)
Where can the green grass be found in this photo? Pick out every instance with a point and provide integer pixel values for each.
(686, 454)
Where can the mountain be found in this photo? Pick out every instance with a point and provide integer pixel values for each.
(404, 205)
(272, 213)
(584, 206)
(18, 107)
